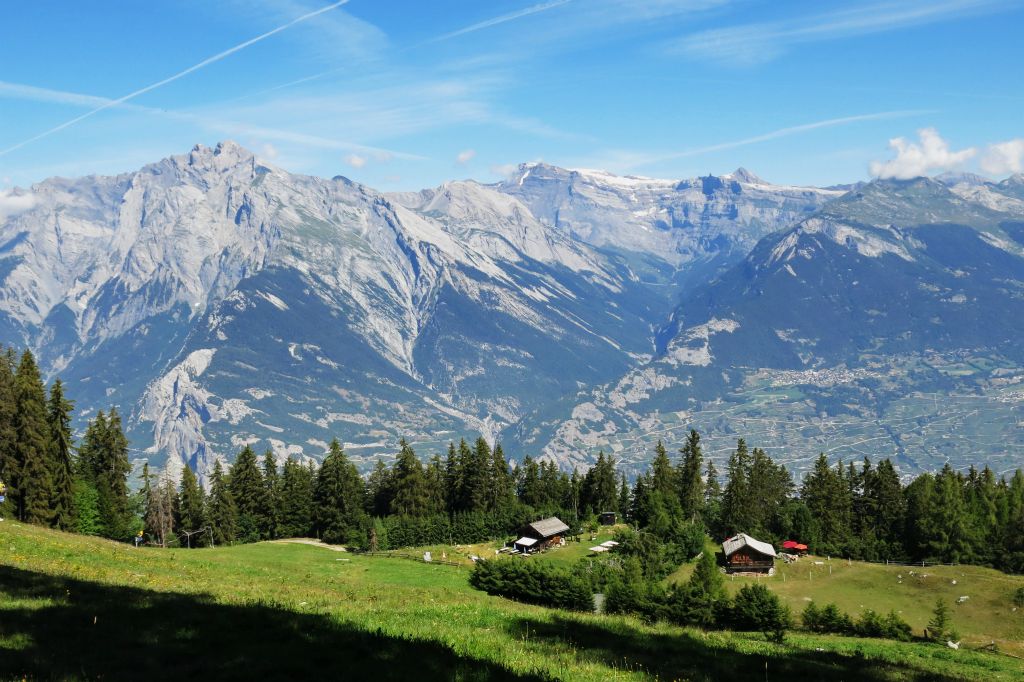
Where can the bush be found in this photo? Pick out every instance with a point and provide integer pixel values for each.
(758, 608)
(1018, 597)
(534, 582)
(828, 620)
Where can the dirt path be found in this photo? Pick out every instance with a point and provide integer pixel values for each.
(310, 541)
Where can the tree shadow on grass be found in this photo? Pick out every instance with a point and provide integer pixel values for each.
(91, 631)
(687, 656)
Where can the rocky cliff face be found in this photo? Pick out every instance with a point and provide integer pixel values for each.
(220, 301)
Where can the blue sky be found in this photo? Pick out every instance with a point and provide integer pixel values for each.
(404, 95)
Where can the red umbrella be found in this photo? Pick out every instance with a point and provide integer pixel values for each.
(790, 544)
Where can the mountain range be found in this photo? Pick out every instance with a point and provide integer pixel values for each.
(218, 301)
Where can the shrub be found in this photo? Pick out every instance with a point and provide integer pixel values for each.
(535, 582)
(1018, 597)
(758, 608)
(828, 619)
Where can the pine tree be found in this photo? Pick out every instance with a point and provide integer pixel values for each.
(9, 472)
(109, 458)
(411, 495)
(221, 512)
(624, 498)
(938, 626)
(530, 491)
(599, 492)
(736, 513)
(709, 602)
(61, 458)
(249, 491)
(500, 483)
(87, 508)
(191, 512)
(712, 498)
(827, 496)
(379, 490)
(159, 508)
(272, 486)
(691, 485)
(338, 504)
(452, 479)
(33, 487)
(296, 518)
(663, 476)
(434, 473)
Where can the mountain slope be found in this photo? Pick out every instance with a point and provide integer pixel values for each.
(222, 301)
(887, 324)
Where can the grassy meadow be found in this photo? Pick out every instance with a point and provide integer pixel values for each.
(74, 607)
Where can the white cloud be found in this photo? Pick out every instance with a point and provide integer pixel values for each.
(465, 156)
(1004, 157)
(269, 151)
(355, 160)
(932, 155)
(12, 204)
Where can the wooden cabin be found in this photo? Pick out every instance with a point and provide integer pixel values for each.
(607, 518)
(540, 535)
(744, 554)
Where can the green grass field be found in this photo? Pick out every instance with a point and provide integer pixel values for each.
(73, 607)
(988, 615)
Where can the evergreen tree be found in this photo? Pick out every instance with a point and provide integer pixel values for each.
(624, 499)
(663, 476)
(501, 490)
(736, 512)
(434, 474)
(530, 491)
(338, 502)
(827, 496)
(452, 479)
(939, 626)
(380, 490)
(221, 512)
(61, 457)
(712, 498)
(950, 539)
(599, 492)
(250, 494)
(272, 488)
(691, 485)
(191, 511)
(769, 487)
(87, 508)
(708, 602)
(8, 434)
(159, 508)
(296, 517)
(105, 457)
(32, 488)
(411, 495)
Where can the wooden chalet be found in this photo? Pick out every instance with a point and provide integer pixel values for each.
(744, 554)
(540, 535)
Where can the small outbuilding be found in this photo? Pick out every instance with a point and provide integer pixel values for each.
(748, 555)
(540, 535)
(607, 518)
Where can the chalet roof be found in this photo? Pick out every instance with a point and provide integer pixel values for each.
(741, 540)
(546, 528)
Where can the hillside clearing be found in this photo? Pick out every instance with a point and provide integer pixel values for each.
(78, 607)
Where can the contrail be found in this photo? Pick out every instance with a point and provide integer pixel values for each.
(542, 7)
(781, 132)
(511, 16)
(170, 79)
